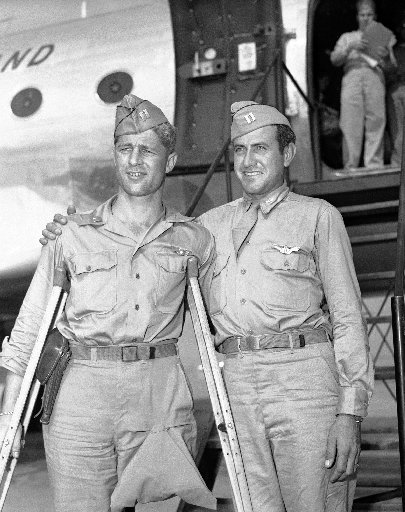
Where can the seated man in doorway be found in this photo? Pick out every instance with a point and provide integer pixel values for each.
(362, 105)
(123, 418)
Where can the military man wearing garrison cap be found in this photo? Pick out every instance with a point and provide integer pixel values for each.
(122, 430)
(285, 304)
(286, 308)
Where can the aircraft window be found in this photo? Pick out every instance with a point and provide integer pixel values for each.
(114, 87)
(26, 102)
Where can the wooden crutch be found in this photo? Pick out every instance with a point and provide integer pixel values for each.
(30, 385)
(217, 392)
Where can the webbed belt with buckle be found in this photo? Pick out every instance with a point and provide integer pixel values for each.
(128, 353)
(291, 340)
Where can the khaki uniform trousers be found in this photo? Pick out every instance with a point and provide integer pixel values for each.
(284, 404)
(104, 412)
(362, 113)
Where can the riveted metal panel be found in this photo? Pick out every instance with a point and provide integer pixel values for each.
(204, 89)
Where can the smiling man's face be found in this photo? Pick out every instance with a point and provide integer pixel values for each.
(258, 162)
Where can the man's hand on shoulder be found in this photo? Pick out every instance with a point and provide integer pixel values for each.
(343, 447)
(53, 229)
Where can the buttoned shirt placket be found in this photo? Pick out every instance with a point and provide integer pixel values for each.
(246, 254)
(136, 298)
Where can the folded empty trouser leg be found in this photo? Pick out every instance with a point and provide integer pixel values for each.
(104, 415)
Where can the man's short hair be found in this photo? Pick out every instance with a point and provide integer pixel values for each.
(370, 3)
(284, 136)
(167, 136)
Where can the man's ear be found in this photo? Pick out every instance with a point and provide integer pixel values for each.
(289, 153)
(171, 162)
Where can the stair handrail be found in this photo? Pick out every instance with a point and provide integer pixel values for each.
(398, 321)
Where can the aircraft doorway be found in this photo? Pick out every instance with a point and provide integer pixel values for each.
(327, 20)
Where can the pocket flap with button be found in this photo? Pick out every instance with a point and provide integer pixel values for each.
(94, 283)
(171, 281)
(90, 262)
(276, 260)
(171, 262)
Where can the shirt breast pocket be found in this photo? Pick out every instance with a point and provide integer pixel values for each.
(94, 283)
(169, 293)
(218, 300)
(285, 284)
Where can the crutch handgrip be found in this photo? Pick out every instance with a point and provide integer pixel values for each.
(60, 278)
(192, 266)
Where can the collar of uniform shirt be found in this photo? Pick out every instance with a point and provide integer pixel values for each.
(169, 214)
(267, 204)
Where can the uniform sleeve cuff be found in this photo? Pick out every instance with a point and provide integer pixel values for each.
(10, 360)
(353, 401)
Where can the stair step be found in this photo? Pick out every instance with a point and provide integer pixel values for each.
(392, 505)
(369, 207)
(376, 276)
(379, 468)
(372, 238)
(384, 373)
(379, 441)
(382, 319)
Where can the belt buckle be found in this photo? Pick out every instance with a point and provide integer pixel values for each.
(129, 354)
(251, 342)
(145, 352)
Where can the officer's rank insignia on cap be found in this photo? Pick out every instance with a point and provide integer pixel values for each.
(135, 115)
(250, 117)
(144, 114)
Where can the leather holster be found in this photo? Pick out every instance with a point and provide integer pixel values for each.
(51, 366)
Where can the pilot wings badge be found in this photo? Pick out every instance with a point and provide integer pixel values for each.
(284, 249)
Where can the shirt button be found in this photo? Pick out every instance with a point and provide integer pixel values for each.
(243, 301)
(243, 271)
(248, 242)
(250, 331)
(137, 307)
(88, 268)
(137, 275)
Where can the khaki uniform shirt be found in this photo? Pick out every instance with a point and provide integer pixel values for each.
(343, 53)
(295, 272)
(123, 289)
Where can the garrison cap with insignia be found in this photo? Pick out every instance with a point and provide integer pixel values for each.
(135, 115)
(249, 116)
